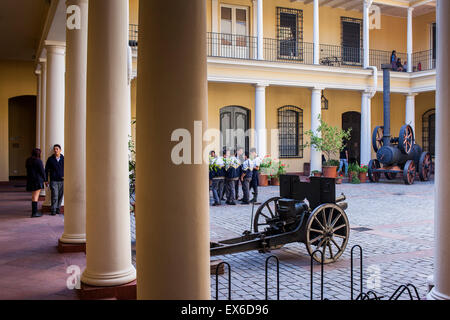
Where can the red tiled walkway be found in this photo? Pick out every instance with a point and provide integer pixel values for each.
(30, 266)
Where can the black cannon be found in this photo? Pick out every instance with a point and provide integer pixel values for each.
(396, 155)
(306, 212)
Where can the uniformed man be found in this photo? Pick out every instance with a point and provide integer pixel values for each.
(217, 174)
(240, 156)
(232, 173)
(246, 177)
(255, 176)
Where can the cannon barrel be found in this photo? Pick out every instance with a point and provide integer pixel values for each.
(391, 155)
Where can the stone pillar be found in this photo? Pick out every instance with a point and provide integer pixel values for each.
(43, 104)
(74, 236)
(316, 112)
(172, 231)
(260, 23)
(410, 39)
(108, 239)
(260, 119)
(366, 33)
(54, 113)
(316, 33)
(441, 291)
(38, 107)
(366, 129)
(410, 114)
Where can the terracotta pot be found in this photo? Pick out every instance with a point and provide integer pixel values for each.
(363, 177)
(263, 180)
(317, 174)
(338, 180)
(275, 182)
(330, 172)
(350, 176)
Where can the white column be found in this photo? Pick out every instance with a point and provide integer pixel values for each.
(366, 33)
(366, 134)
(172, 263)
(441, 291)
(260, 119)
(215, 38)
(43, 103)
(410, 110)
(108, 239)
(255, 28)
(316, 33)
(410, 39)
(38, 108)
(260, 23)
(75, 130)
(316, 112)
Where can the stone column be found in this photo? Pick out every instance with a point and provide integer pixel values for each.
(260, 23)
(54, 113)
(172, 231)
(215, 18)
(410, 110)
(366, 33)
(316, 33)
(366, 129)
(441, 290)
(260, 119)
(38, 107)
(43, 104)
(108, 239)
(75, 134)
(410, 39)
(316, 112)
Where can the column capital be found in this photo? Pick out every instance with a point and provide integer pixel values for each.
(410, 10)
(410, 94)
(318, 88)
(42, 61)
(55, 47)
(37, 72)
(261, 85)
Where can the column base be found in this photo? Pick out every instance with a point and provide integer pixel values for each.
(71, 247)
(47, 209)
(435, 295)
(214, 265)
(123, 292)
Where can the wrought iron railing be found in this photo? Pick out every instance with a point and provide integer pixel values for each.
(380, 57)
(232, 46)
(288, 51)
(133, 35)
(424, 60)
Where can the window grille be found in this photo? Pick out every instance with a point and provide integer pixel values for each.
(290, 126)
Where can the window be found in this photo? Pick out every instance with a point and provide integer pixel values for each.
(351, 40)
(234, 25)
(433, 40)
(429, 131)
(290, 33)
(290, 126)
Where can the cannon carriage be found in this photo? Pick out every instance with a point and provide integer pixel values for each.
(397, 155)
(306, 212)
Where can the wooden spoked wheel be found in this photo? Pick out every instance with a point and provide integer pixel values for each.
(406, 139)
(409, 172)
(327, 230)
(377, 138)
(425, 165)
(266, 212)
(390, 175)
(374, 165)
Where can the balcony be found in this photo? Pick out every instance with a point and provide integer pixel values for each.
(232, 46)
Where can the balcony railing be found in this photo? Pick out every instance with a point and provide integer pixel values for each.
(235, 46)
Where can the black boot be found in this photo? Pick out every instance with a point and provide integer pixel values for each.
(34, 210)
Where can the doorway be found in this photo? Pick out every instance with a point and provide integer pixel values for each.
(234, 125)
(352, 120)
(429, 131)
(22, 133)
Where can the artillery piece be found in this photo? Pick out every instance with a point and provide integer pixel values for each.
(396, 155)
(305, 212)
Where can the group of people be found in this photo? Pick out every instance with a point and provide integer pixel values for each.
(397, 64)
(229, 171)
(51, 176)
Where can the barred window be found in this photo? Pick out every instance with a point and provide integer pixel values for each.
(429, 131)
(289, 33)
(290, 126)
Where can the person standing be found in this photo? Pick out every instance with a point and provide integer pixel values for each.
(240, 157)
(343, 159)
(255, 174)
(55, 169)
(246, 177)
(217, 174)
(232, 174)
(35, 180)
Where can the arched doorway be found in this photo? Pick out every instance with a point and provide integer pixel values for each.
(234, 125)
(352, 120)
(22, 133)
(429, 131)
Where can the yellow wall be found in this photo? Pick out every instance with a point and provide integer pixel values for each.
(422, 32)
(16, 79)
(424, 102)
(134, 11)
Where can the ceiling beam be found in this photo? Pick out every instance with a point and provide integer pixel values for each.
(353, 5)
(338, 4)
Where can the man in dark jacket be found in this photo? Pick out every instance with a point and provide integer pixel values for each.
(55, 169)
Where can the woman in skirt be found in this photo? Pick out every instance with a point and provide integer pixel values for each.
(35, 180)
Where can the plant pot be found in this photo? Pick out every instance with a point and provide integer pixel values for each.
(263, 180)
(338, 180)
(363, 177)
(350, 176)
(317, 174)
(330, 172)
(275, 182)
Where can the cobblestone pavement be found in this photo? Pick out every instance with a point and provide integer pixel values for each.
(398, 247)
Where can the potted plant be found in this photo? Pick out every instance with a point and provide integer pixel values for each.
(276, 170)
(353, 170)
(328, 140)
(264, 168)
(339, 179)
(355, 180)
(316, 173)
(363, 173)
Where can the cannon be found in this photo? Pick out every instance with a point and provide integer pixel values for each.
(306, 212)
(396, 155)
